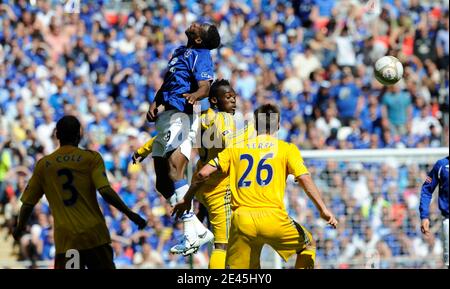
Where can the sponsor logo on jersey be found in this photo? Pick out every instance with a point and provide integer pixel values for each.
(173, 61)
(187, 53)
(205, 75)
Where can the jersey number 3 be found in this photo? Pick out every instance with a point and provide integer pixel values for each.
(68, 186)
(261, 167)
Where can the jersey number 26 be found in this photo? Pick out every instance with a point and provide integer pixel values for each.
(243, 183)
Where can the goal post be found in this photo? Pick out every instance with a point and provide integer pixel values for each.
(375, 194)
(378, 155)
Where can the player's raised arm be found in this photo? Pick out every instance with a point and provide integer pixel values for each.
(201, 93)
(310, 188)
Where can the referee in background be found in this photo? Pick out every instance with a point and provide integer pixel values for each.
(437, 176)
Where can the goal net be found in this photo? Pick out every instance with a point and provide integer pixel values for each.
(375, 195)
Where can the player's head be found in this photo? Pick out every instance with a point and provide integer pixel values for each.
(222, 96)
(68, 130)
(203, 36)
(267, 119)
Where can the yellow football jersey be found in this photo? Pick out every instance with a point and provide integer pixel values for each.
(258, 171)
(219, 132)
(69, 178)
(216, 129)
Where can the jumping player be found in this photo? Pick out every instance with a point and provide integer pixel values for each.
(217, 125)
(188, 79)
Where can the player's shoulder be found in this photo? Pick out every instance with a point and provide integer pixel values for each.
(207, 118)
(439, 162)
(90, 154)
(224, 117)
(289, 149)
(442, 162)
(40, 164)
(180, 49)
(191, 53)
(286, 145)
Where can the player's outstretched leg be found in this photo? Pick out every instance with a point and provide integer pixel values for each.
(195, 233)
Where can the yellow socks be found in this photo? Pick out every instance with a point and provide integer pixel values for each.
(217, 260)
(306, 259)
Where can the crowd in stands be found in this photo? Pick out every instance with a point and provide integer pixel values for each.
(313, 57)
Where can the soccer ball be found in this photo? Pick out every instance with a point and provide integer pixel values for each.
(388, 70)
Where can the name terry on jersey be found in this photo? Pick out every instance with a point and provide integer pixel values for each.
(266, 145)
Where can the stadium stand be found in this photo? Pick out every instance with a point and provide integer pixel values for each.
(313, 57)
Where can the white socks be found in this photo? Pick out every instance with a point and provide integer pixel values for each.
(192, 225)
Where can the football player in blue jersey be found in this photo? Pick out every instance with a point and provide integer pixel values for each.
(437, 176)
(187, 80)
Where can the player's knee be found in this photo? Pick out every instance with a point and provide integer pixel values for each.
(165, 187)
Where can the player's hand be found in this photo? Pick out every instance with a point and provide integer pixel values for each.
(329, 218)
(181, 207)
(137, 158)
(17, 234)
(425, 227)
(190, 97)
(152, 112)
(138, 220)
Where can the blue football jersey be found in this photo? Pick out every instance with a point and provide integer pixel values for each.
(186, 67)
(437, 177)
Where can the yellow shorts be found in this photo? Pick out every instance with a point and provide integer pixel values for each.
(252, 228)
(217, 202)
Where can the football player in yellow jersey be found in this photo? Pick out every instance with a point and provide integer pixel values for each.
(258, 170)
(69, 178)
(218, 131)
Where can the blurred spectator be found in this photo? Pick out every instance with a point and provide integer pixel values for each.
(328, 122)
(421, 125)
(397, 107)
(314, 57)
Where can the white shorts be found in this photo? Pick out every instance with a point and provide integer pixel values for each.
(175, 130)
(445, 234)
